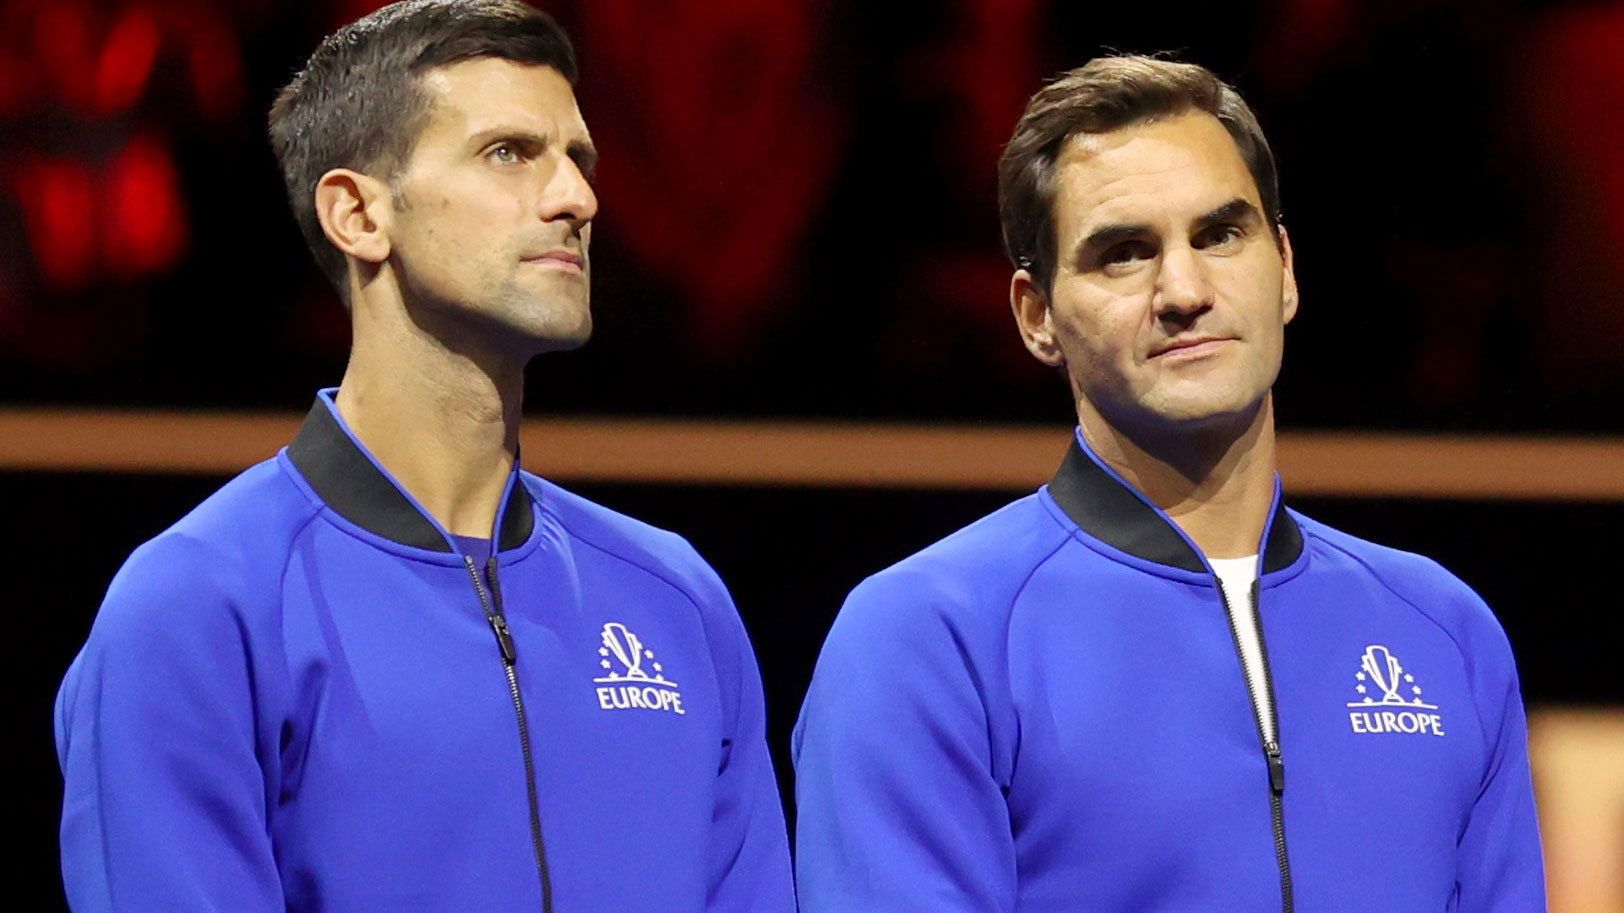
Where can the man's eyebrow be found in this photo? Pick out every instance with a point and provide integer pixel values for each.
(512, 134)
(1107, 235)
(1236, 210)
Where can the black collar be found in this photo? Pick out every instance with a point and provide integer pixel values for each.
(1110, 511)
(346, 478)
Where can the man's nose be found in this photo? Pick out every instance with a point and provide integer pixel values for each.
(569, 195)
(1182, 284)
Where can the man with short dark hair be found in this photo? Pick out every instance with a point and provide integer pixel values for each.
(1150, 686)
(387, 670)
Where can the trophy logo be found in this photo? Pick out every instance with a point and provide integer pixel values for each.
(639, 682)
(619, 642)
(1383, 682)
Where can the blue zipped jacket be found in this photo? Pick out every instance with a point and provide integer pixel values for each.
(301, 698)
(1047, 712)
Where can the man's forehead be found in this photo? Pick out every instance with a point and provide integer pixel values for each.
(1184, 162)
(487, 93)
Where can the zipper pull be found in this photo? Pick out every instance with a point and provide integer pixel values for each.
(1277, 767)
(504, 639)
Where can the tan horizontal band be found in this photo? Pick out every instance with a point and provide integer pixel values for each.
(830, 454)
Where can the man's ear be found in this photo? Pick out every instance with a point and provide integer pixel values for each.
(1288, 291)
(1032, 317)
(356, 213)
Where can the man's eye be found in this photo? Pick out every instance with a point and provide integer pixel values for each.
(1125, 253)
(505, 154)
(1219, 235)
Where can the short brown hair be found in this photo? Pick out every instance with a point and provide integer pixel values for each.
(358, 103)
(1105, 94)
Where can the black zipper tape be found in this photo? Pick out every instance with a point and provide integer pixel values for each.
(492, 608)
(1272, 755)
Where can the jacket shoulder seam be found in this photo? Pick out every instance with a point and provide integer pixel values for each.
(1009, 617)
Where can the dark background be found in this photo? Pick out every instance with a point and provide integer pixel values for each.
(798, 212)
(798, 221)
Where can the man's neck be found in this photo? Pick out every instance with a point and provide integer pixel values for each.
(1216, 484)
(444, 423)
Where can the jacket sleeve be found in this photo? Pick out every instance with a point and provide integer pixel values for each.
(899, 795)
(748, 856)
(1500, 866)
(165, 797)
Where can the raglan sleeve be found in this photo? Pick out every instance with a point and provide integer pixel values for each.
(748, 854)
(1500, 865)
(899, 801)
(164, 795)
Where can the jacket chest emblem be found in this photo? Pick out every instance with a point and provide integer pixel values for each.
(633, 678)
(1389, 698)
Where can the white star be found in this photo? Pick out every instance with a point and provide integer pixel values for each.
(1360, 676)
(604, 664)
(649, 653)
(1360, 689)
(1409, 678)
(1416, 689)
(603, 651)
(658, 668)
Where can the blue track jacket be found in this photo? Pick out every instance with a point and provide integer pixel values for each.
(1046, 712)
(299, 698)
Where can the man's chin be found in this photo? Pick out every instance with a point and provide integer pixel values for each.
(560, 344)
(546, 323)
(554, 337)
(1192, 409)
(1211, 415)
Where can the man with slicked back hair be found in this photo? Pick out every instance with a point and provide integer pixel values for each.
(1150, 685)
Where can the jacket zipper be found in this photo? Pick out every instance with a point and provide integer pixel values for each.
(492, 607)
(1271, 749)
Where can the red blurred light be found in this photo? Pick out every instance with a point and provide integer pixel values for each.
(57, 200)
(144, 218)
(126, 61)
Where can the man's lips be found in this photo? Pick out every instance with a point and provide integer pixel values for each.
(1190, 347)
(559, 259)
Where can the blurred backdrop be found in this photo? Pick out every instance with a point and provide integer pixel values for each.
(798, 223)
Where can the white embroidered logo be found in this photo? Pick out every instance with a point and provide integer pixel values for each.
(1397, 704)
(633, 687)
